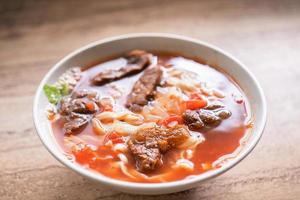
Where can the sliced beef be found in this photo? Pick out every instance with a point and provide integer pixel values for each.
(192, 120)
(78, 110)
(175, 136)
(223, 113)
(214, 105)
(147, 159)
(149, 144)
(209, 117)
(83, 102)
(137, 61)
(85, 93)
(75, 123)
(143, 89)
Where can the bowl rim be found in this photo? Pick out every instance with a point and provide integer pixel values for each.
(150, 186)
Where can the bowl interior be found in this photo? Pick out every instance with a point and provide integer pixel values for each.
(153, 42)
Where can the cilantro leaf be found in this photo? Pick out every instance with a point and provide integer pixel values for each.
(53, 93)
(64, 89)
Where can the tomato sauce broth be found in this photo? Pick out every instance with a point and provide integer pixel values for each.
(219, 142)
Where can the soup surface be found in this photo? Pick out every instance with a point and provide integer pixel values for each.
(148, 117)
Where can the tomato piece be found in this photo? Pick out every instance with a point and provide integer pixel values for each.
(239, 100)
(117, 140)
(114, 137)
(170, 119)
(195, 104)
(90, 106)
(84, 155)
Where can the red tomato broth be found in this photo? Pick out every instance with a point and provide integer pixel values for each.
(220, 141)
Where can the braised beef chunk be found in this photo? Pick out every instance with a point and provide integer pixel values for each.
(192, 119)
(214, 105)
(85, 93)
(209, 117)
(175, 136)
(205, 118)
(137, 61)
(149, 144)
(143, 89)
(147, 159)
(223, 113)
(76, 123)
(78, 110)
(82, 101)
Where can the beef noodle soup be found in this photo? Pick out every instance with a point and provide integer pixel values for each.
(148, 118)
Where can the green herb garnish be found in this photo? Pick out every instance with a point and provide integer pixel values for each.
(55, 92)
(64, 90)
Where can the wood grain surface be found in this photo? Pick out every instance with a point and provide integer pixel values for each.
(265, 35)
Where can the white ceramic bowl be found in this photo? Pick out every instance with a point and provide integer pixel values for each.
(152, 42)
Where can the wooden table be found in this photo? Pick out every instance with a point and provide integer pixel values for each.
(265, 35)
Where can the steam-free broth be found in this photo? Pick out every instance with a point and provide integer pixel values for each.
(149, 118)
